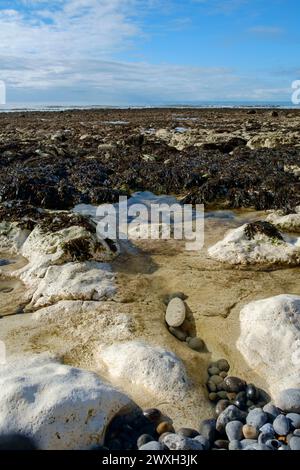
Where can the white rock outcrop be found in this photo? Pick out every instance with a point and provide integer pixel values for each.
(74, 281)
(287, 222)
(270, 340)
(12, 237)
(153, 369)
(58, 406)
(236, 248)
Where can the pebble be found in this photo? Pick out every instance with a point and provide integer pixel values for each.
(257, 446)
(297, 432)
(281, 425)
(205, 442)
(272, 411)
(197, 344)
(213, 371)
(208, 429)
(274, 444)
(295, 443)
(153, 445)
(250, 432)
(212, 396)
(265, 436)
(221, 444)
(162, 436)
(234, 384)
(257, 417)
(247, 442)
(144, 439)
(294, 419)
(231, 396)
(175, 314)
(234, 430)
(251, 392)
(241, 400)
(232, 413)
(223, 365)
(222, 395)
(188, 432)
(234, 445)
(174, 295)
(178, 333)
(267, 428)
(211, 386)
(152, 414)
(216, 379)
(176, 442)
(223, 374)
(289, 400)
(221, 406)
(221, 386)
(165, 426)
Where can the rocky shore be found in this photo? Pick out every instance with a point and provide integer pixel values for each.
(118, 346)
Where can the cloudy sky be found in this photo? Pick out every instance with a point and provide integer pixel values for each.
(139, 52)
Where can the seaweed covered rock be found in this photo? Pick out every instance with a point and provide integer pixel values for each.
(256, 243)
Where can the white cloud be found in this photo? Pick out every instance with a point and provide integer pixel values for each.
(266, 30)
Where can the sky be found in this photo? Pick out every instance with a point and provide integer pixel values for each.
(149, 52)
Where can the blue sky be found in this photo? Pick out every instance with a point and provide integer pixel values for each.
(127, 52)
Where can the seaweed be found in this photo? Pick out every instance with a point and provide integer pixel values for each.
(264, 228)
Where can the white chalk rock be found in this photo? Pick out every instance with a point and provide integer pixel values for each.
(175, 314)
(235, 248)
(270, 340)
(155, 370)
(288, 222)
(58, 406)
(95, 321)
(12, 237)
(74, 281)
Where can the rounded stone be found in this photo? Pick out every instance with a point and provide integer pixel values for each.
(152, 414)
(197, 344)
(234, 445)
(294, 419)
(178, 333)
(213, 396)
(274, 444)
(153, 445)
(257, 418)
(165, 426)
(221, 386)
(208, 429)
(295, 443)
(281, 425)
(251, 392)
(221, 406)
(231, 396)
(265, 437)
(162, 436)
(272, 411)
(144, 439)
(223, 365)
(234, 384)
(223, 374)
(222, 395)
(213, 371)
(175, 314)
(250, 432)
(167, 298)
(188, 432)
(258, 446)
(267, 428)
(241, 400)
(297, 432)
(211, 386)
(234, 430)
(221, 444)
(176, 442)
(289, 400)
(203, 441)
(247, 442)
(231, 413)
